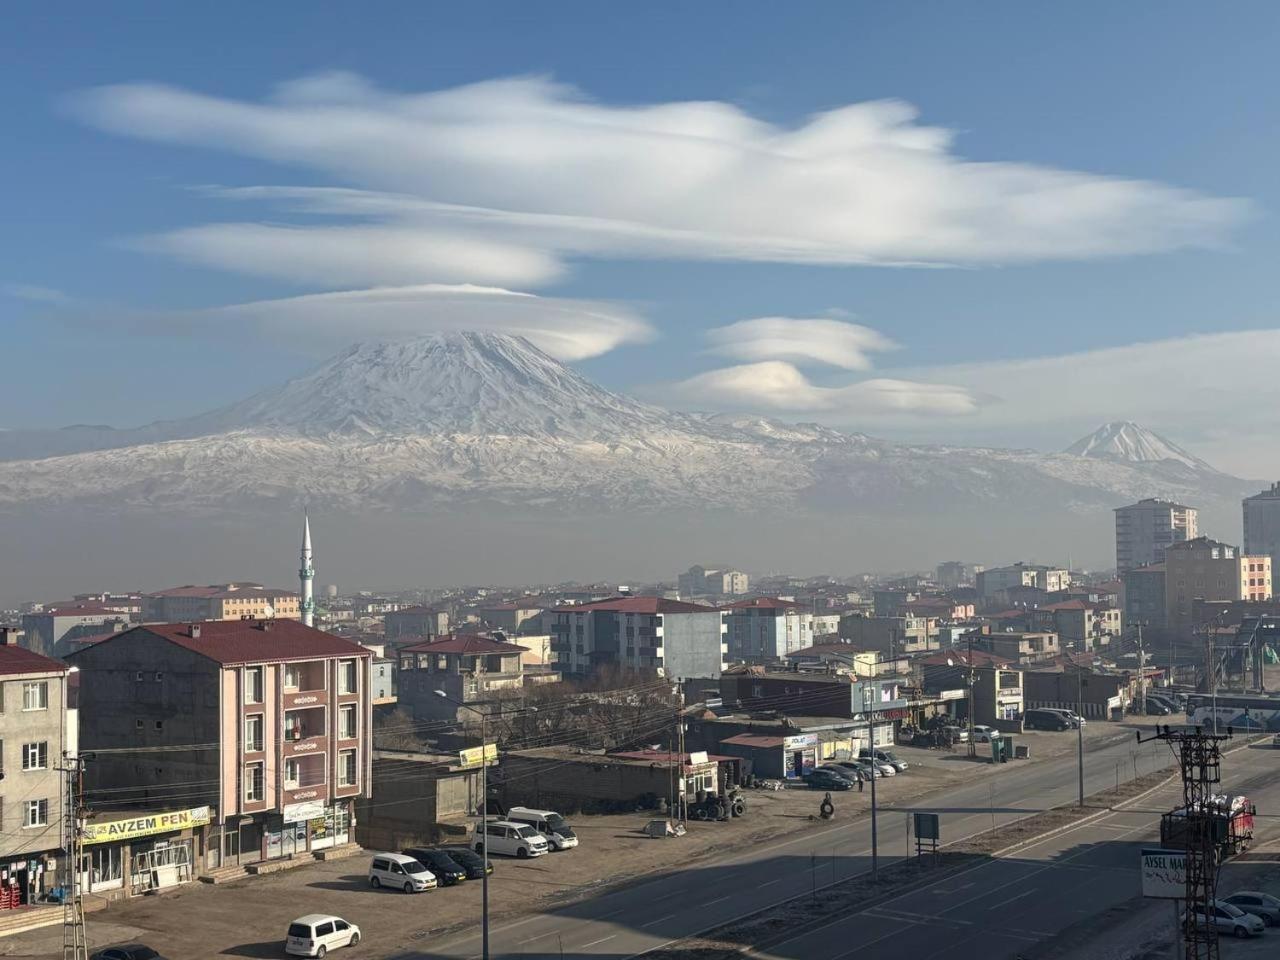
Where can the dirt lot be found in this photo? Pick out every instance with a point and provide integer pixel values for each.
(248, 918)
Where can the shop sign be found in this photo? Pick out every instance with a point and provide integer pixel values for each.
(1164, 874)
(470, 757)
(799, 741)
(308, 810)
(147, 826)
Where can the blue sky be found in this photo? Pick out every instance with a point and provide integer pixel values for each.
(1177, 95)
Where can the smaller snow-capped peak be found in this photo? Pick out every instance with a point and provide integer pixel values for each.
(1127, 441)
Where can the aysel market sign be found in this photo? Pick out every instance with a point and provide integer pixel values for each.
(112, 831)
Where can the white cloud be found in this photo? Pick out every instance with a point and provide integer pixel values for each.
(777, 386)
(540, 174)
(818, 340)
(37, 294)
(566, 329)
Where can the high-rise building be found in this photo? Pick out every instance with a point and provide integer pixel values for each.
(1262, 524)
(1146, 528)
(1204, 569)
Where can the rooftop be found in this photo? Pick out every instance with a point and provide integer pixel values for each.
(761, 603)
(231, 642)
(15, 660)
(471, 643)
(223, 591)
(649, 605)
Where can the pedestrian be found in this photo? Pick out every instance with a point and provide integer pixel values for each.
(859, 781)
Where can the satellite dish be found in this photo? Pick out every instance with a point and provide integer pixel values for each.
(270, 611)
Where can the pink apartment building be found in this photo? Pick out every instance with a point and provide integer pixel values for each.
(252, 736)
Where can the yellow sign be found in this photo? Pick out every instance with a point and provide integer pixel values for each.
(470, 757)
(145, 826)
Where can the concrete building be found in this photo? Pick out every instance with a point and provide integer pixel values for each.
(468, 668)
(220, 601)
(891, 635)
(767, 628)
(1081, 624)
(1144, 529)
(266, 722)
(52, 631)
(426, 622)
(509, 617)
(1023, 648)
(998, 691)
(1204, 569)
(35, 731)
(991, 583)
(953, 573)
(698, 581)
(682, 641)
(422, 799)
(1144, 598)
(1262, 524)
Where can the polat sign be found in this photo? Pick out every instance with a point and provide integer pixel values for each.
(1164, 874)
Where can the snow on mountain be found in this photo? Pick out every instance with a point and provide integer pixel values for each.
(1126, 441)
(480, 420)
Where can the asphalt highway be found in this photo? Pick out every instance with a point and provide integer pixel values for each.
(991, 911)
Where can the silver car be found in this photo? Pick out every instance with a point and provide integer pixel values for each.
(1261, 905)
(1230, 919)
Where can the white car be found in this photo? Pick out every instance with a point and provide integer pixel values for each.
(1231, 919)
(984, 734)
(317, 933)
(511, 840)
(550, 824)
(399, 872)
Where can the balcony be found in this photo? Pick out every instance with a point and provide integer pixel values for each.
(302, 772)
(305, 731)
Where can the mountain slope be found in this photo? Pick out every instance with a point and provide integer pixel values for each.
(1127, 442)
(471, 421)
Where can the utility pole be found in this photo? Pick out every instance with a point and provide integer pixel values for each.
(680, 792)
(973, 747)
(1080, 729)
(1200, 760)
(75, 945)
(867, 703)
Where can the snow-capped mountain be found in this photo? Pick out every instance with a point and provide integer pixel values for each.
(486, 421)
(1127, 442)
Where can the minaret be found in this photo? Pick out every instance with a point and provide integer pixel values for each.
(306, 574)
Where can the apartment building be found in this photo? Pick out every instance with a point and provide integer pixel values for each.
(675, 639)
(425, 622)
(1024, 648)
(1262, 524)
(1081, 624)
(1001, 580)
(698, 581)
(1144, 529)
(890, 635)
(35, 733)
(1205, 569)
(266, 723)
(53, 630)
(466, 668)
(220, 601)
(1144, 596)
(767, 628)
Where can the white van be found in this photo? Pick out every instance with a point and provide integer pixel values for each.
(511, 839)
(548, 823)
(399, 872)
(317, 933)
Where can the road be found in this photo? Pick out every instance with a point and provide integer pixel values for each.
(642, 917)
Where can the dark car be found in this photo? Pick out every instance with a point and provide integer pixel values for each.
(826, 780)
(447, 870)
(1045, 720)
(840, 770)
(134, 951)
(852, 769)
(468, 860)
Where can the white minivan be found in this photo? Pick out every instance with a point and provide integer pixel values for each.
(511, 839)
(548, 823)
(317, 933)
(399, 872)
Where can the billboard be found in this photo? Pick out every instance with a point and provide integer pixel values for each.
(149, 825)
(470, 757)
(1164, 874)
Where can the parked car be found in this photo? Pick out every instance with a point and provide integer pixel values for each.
(468, 860)
(1073, 718)
(884, 756)
(1157, 709)
(133, 951)
(446, 869)
(399, 872)
(826, 780)
(840, 770)
(317, 933)
(1261, 905)
(984, 734)
(550, 824)
(881, 769)
(958, 734)
(512, 840)
(1037, 719)
(1230, 919)
(1275, 741)
(853, 769)
(1163, 701)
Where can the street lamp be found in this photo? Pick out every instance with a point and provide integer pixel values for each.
(867, 703)
(484, 810)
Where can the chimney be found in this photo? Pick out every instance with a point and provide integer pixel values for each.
(194, 631)
(9, 636)
(264, 625)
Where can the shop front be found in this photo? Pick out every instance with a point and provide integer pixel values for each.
(26, 878)
(130, 856)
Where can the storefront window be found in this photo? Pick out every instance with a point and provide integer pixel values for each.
(104, 866)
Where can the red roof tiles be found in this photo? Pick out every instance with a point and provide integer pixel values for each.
(247, 641)
(16, 660)
(476, 644)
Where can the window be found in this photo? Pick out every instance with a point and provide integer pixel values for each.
(35, 756)
(347, 768)
(292, 676)
(347, 676)
(159, 675)
(35, 813)
(35, 696)
(292, 773)
(253, 685)
(324, 929)
(347, 721)
(253, 783)
(253, 733)
(159, 724)
(137, 724)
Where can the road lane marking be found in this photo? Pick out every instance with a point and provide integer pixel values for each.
(535, 937)
(1005, 903)
(595, 942)
(669, 916)
(711, 903)
(771, 883)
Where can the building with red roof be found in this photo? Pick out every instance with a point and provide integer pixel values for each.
(439, 679)
(670, 638)
(50, 631)
(219, 601)
(268, 722)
